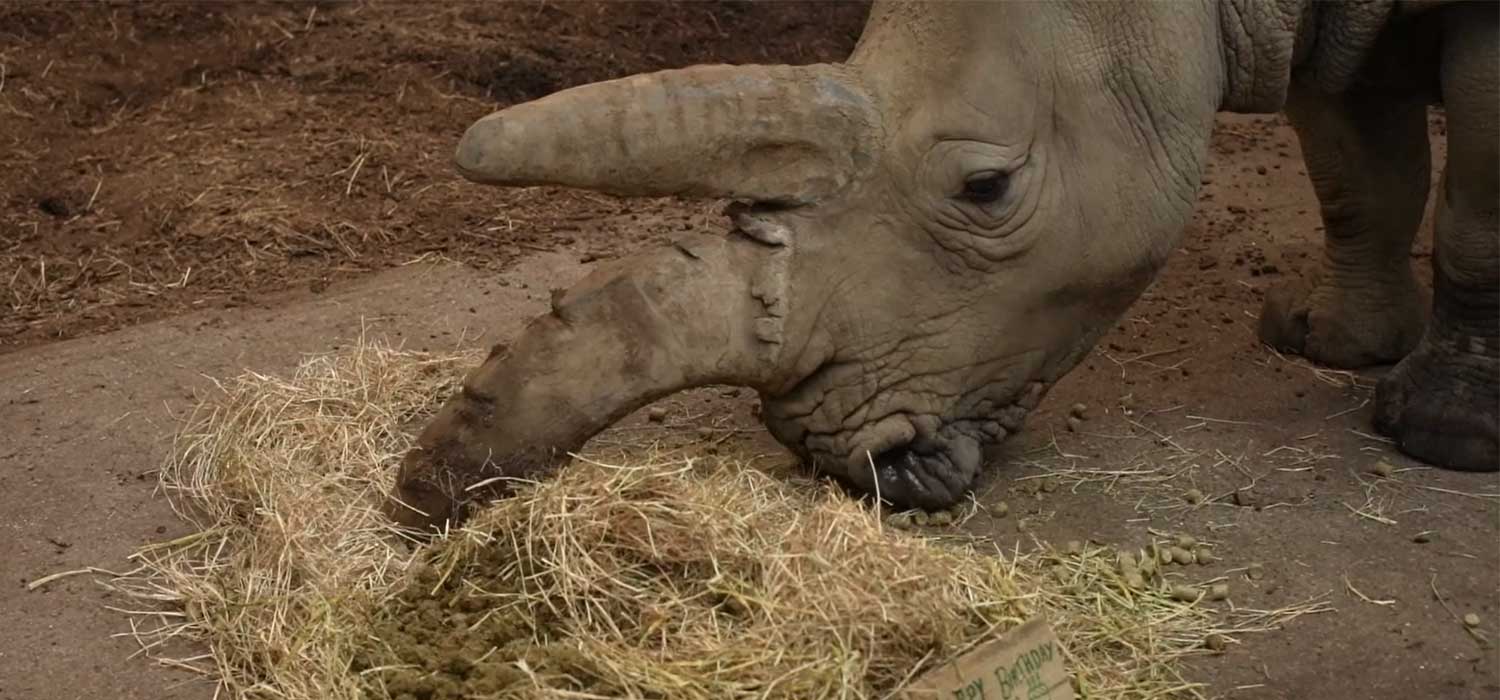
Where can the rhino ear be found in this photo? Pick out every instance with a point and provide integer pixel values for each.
(781, 134)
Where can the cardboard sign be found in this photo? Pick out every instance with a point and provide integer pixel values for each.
(1026, 664)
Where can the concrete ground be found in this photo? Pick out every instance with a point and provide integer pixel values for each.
(87, 422)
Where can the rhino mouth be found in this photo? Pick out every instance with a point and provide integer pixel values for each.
(928, 474)
(914, 461)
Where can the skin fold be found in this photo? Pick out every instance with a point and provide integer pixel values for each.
(932, 233)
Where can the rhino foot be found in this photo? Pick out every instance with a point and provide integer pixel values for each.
(1442, 406)
(1342, 327)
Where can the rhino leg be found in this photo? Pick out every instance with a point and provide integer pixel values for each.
(1442, 403)
(1367, 156)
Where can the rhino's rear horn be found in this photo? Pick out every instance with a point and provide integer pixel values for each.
(783, 134)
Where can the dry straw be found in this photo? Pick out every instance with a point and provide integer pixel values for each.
(647, 576)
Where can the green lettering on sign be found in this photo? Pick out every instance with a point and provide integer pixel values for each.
(974, 690)
(1025, 672)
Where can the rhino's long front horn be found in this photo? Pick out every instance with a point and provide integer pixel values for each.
(785, 134)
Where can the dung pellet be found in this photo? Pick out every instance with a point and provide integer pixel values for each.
(900, 521)
(1184, 593)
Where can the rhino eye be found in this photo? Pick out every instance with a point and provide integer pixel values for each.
(986, 187)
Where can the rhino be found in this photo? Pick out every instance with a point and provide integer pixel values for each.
(928, 235)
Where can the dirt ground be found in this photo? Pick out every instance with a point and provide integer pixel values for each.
(162, 157)
(187, 190)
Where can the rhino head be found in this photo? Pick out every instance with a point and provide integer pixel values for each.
(926, 237)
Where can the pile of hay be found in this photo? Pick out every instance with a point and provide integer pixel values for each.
(665, 578)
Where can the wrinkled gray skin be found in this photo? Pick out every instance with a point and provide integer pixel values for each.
(931, 234)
